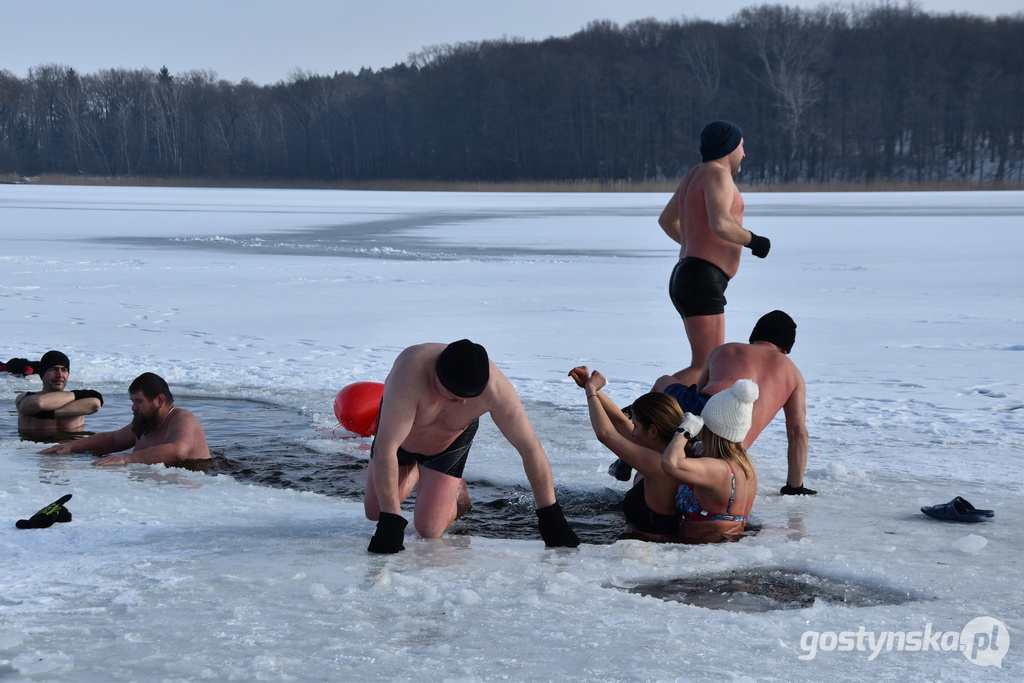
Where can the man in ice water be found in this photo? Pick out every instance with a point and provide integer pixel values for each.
(705, 216)
(433, 399)
(765, 359)
(159, 431)
(55, 409)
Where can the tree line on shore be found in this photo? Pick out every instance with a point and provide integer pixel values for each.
(835, 94)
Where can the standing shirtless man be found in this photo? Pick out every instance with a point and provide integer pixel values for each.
(433, 399)
(159, 432)
(705, 216)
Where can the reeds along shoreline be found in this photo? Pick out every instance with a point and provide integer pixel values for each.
(583, 185)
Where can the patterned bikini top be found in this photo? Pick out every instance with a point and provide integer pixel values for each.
(686, 503)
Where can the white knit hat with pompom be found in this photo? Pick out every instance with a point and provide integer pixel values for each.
(728, 412)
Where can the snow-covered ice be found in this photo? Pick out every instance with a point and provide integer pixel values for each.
(910, 310)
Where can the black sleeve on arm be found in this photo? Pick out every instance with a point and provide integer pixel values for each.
(87, 393)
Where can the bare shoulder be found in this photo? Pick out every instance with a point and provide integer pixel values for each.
(415, 357)
(409, 373)
(184, 419)
(499, 378)
(184, 414)
(723, 352)
(501, 394)
(716, 178)
(798, 377)
(687, 182)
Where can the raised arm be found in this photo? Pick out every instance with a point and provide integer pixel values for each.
(698, 471)
(615, 431)
(593, 384)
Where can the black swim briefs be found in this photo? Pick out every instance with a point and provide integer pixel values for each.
(697, 287)
(450, 461)
(641, 518)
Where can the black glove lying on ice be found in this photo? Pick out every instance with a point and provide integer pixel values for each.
(555, 531)
(54, 512)
(390, 534)
(759, 246)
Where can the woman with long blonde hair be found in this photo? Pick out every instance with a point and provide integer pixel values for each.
(717, 489)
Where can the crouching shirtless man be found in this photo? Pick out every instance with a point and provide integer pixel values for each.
(433, 399)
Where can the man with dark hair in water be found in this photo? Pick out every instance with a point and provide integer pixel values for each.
(159, 431)
(55, 409)
(433, 399)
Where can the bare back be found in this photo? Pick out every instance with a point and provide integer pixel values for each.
(707, 191)
(779, 381)
(717, 499)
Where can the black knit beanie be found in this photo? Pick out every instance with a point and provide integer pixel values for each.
(719, 139)
(775, 327)
(463, 368)
(51, 358)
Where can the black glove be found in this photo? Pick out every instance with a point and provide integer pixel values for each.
(620, 470)
(390, 534)
(54, 512)
(555, 531)
(87, 393)
(759, 246)
(801, 490)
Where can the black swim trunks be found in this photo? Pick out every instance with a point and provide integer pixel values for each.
(642, 518)
(697, 287)
(450, 461)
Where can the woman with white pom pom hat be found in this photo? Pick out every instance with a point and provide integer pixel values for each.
(642, 441)
(718, 488)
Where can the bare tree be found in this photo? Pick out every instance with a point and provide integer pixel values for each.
(788, 44)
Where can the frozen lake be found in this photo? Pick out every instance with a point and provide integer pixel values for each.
(910, 312)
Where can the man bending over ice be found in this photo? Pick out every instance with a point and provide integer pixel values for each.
(433, 399)
(781, 387)
(159, 431)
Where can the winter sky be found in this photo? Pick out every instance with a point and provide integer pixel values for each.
(267, 41)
